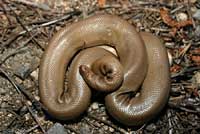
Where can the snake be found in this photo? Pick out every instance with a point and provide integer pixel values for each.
(136, 80)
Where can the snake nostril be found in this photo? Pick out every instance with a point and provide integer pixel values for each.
(109, 75)
(109, 71)
(109, 78)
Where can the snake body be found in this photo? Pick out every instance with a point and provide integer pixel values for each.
(137, 79)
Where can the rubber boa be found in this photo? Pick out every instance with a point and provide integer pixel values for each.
(137, 80)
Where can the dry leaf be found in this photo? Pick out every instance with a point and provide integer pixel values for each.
(164, 13)
(101, 2)
(175, 68)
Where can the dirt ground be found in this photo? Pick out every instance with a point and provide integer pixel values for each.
(27, 26)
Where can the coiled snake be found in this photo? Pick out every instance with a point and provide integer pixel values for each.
(137, 79)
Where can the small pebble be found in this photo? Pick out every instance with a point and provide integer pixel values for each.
(169, 44)
(41, 119)
(37, 98)
(2, 91)
(27, 116)
(57, 128)
(105, 127)
(23, 71)
(19, 131)
(196, 15)
(111, 129)
(11, 93)
(104, 118)
(151, 127)
(97, 124)
(198, 109)
(95, 106)
(29, 103)
(18, 80)
(9, 115)
(18, 101)
(23, 110)
(34, 74)
(3, 105)
(84, 129)
(181, 17)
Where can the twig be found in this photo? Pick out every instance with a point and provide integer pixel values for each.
(183, 52)
(45, 24)
(176, 9)
(14, 37)
(65, 17)
(19, 92)
(10, 79)
(31, 129)
(12, 112)
(173, 105)
(11, 39)
(54, 21)
(34, 4)
(24, 27)
(170, 123)
(37, 22)
(35, 118)
(17, 51)
(185, 70)
(5, 12)
(160, 29)
(89, 123)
